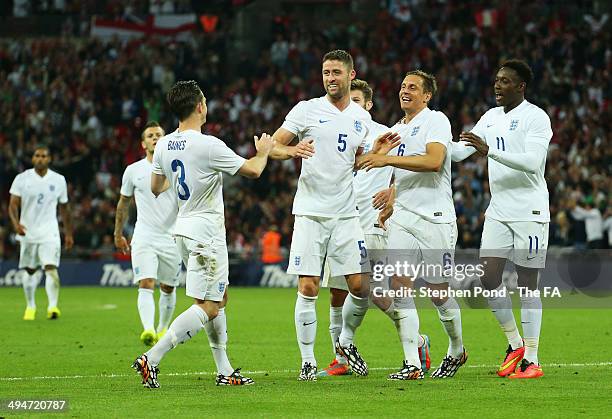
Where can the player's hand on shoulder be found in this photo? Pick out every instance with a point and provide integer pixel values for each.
(386, 142)
(304, 149)
(264, 144)
(122, 244)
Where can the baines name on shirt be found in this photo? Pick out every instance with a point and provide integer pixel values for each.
(176, 145)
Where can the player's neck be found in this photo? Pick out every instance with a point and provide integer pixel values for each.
(190, 123)
(513, 105)
(341, 103)
(41, 172)
(150, 157)
(410, 114)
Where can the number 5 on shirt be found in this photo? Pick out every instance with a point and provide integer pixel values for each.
(342, 142)
(176, 165)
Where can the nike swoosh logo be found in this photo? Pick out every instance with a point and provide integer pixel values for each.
(308, 324)
(358, 315)
(489, 125)
(321, 121)
(188, 334)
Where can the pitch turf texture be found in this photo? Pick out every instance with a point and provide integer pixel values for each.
(85, 358)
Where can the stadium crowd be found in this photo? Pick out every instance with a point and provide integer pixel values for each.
(88, 100)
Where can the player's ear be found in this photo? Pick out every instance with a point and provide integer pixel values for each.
(522, 86)
(369, 105)
(352, 74)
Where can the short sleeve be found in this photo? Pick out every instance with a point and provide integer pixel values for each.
(157, 167)
(295, 121)
(223, 159)
(63, 198)
(539, 130)
(16, 186)
(127, 184)
(439, 130)
(478, 129)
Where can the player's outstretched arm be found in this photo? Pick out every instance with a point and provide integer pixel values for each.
(14, 205)
(529, 162)
(121, 215)
(431, 161)
(461, 150)
(66, 215)
(283, 151)
(253, 167)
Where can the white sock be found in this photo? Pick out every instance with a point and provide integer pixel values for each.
(450, 317)
(183, 328)
(335, 327)
(167, 302)
(501, 307)
(531, 318)
(146, 308)
(306, 326)
(29, 283)
(406, 322)
(52, 286)
(353, 312)
(217, 338)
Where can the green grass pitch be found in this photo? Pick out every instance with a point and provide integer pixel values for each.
(85, 357)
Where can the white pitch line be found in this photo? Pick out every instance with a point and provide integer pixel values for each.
(183, 374)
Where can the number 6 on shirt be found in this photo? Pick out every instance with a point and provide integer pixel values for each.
(176, 164)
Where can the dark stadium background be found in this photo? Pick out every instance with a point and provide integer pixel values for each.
(88, 97)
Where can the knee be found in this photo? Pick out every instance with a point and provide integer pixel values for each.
(166, 288)
(308, 288)
(337, 297)
(147, 283)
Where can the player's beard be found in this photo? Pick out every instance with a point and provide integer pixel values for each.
(341, 91)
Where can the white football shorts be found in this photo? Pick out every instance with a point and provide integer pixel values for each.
(158, 261)
(341, 240)
(522, 242)
(207, 267)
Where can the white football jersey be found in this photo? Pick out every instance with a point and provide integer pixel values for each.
(367, 184)
(154, 216)
(325, 186)
(427, 194)
(39, 199)
(516, 195)
(193, 163)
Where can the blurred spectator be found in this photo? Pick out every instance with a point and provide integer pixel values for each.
(593, 223)
(271, 246)
(89, 98)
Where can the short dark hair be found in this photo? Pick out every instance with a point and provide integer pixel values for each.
(429, 81)
(522, 69)
(183, 98)
(339, 55)
(41, 146)
(364, 87)
(150, 124)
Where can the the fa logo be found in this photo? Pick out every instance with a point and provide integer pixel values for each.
(415, 131)
(221, 286)
(366, 148)
(514, 124)
(297, 260)
(358, 126)
(51, 188)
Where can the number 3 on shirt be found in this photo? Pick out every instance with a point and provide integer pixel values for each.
(342, 142)
(184, 196)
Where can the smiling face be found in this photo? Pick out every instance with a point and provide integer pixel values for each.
(412, 95)
(150, 136)
(509, 88)
(337, 78)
